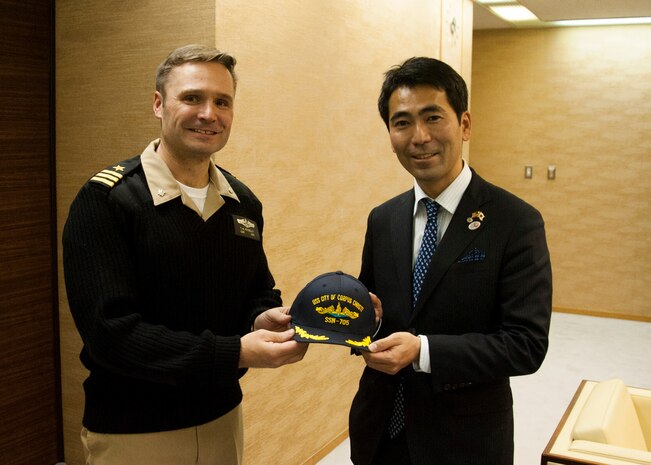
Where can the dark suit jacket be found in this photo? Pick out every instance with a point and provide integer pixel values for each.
(485, 306)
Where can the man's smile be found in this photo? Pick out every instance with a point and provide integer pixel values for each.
(424, 156)
(204, 131)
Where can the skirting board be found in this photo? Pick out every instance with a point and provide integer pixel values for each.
(620, 316)
(327, 448)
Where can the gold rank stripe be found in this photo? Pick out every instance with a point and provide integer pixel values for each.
(103, 181)
(112, 175)
(107, 177)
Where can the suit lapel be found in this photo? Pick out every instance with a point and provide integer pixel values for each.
(456, 238)
(402, 225)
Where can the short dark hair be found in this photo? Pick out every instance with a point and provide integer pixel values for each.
(423, 71)
(193, 53)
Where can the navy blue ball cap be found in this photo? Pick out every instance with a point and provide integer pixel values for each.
(334, 308)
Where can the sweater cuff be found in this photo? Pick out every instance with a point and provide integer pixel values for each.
(227, 359)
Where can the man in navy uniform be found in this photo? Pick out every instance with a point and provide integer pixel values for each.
(169, 286)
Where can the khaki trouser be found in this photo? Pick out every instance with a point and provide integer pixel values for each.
(219, 442)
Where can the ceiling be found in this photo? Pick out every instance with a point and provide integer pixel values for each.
(557, 10)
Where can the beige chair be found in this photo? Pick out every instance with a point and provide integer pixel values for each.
(606, 423)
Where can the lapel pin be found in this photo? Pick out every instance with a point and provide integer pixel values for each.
(161, 193)
(475, 220)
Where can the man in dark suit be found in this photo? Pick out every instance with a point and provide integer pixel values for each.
(465, 310)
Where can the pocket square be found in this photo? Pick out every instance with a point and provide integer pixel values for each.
(474, 255)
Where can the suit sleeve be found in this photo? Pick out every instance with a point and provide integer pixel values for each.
(366, 273)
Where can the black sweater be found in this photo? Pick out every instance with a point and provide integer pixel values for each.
(160, 299)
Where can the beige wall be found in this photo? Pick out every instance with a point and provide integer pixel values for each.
(307, 139)
(580, 99)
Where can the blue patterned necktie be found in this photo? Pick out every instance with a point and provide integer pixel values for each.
(427, 248)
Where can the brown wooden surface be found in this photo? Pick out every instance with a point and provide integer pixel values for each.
(29, 393)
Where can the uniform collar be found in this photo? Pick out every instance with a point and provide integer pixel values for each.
(163, 187)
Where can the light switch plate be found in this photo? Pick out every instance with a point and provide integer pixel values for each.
(528, 171)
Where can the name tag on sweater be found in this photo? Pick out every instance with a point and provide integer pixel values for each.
(246, 228)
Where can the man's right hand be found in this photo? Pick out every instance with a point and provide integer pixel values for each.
(269, 349)
(393, 353)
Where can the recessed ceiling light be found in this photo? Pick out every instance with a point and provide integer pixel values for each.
(513, 13)
(601, 22)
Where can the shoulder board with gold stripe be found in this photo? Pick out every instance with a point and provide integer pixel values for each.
(113, 174)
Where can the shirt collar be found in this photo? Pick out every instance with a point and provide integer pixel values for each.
(163, 187)
(448, 199)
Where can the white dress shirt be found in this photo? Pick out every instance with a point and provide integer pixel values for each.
(448, 201)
